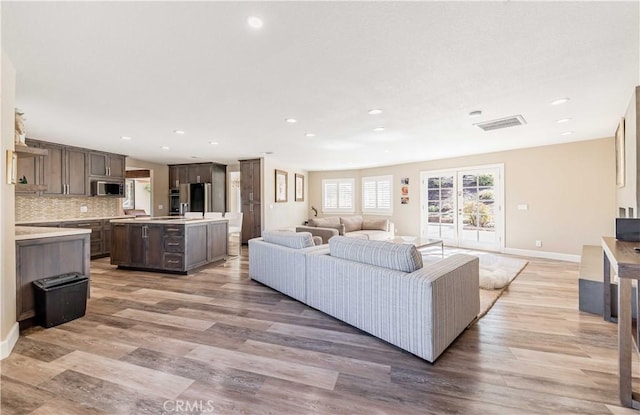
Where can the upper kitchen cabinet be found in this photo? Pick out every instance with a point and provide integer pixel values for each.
(200, 173)
(106, 165)
(64, 170)
(178, 174)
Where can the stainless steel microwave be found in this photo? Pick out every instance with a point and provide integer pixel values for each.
(107, 188)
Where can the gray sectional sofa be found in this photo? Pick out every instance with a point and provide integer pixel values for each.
(352, 226)
(379, 287)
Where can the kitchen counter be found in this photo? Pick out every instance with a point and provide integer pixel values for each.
(168, 220)
(26, 222)
(36, 232)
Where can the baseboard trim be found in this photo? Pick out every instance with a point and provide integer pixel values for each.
(543, 254)
(6, 346)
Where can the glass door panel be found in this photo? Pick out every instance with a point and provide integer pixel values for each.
(441, 202)
(478, 213)
(462, 207)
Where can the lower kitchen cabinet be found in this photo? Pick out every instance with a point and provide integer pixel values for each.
(42, 257)
(100, 241)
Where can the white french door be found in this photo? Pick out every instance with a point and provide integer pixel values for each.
(463, 207)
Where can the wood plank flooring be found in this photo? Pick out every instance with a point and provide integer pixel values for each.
(217, 342)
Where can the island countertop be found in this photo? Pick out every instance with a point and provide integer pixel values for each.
(168, 220)
(35, 232)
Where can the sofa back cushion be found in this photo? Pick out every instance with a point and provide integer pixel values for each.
(400, 257)
(375, 225)
(290, 239)
(330, 222)
(351, 223)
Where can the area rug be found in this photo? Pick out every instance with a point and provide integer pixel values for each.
(496, 273)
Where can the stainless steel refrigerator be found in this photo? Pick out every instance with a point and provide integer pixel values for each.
(196, 196)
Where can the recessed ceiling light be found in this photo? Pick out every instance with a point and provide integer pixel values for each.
(567, 133)
(374, 111)
(125, 137)
(194, 157)
(291, 120)
(309, 135)
(266, 153)
(560, 101)
(255, 22)
(378, 129)
(213, 143)
(178, 132)
(563, 120)
(164, 148)
(475, 114)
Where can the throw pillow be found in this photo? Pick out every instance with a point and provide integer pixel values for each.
(375, 224)
(400, 257)
(296, 240)
(351, 223)
(317, 240)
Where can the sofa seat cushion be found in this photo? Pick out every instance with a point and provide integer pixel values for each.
(290, 239)
(375, 225)
(370, 235)
(351, 223)
(400, 257)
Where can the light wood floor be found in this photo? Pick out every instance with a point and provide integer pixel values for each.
(217, 342)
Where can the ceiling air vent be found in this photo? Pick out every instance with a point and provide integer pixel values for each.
(502, 123)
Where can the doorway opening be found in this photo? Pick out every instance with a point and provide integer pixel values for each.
(138, 191)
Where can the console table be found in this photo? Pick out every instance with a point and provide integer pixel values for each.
(625, 262)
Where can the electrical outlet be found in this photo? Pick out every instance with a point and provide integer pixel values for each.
(83, 209)
(538, 244)
(160, 207)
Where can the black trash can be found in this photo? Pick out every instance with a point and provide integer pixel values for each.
(60, 299)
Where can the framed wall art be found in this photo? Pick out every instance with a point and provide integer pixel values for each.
(281, 186)
(299, 191)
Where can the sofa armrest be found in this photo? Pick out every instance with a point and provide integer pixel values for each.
(324, 233)
(455, 297)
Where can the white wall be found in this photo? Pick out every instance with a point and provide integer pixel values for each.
(282, 215)
(8, 325)
(570, 189)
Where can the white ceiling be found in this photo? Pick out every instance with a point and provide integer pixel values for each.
(89, 73)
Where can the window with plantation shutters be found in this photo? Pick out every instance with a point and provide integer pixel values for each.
(337, 196)
(377, 195)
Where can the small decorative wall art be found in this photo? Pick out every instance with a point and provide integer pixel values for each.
(281, 186)
(405, 190)
(404, 180)
(404, 200)
(299, 185)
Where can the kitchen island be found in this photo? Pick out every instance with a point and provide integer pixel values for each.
(168, 244)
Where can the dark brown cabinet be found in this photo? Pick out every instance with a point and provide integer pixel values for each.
(64, 170)
(57, 170)
(97, 234)
(213, 173)
(250, 185)
(106, 165)
(168, 247)
(101, 233)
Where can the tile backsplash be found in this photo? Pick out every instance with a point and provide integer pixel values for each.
(35, 208)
